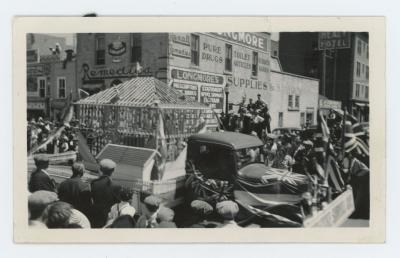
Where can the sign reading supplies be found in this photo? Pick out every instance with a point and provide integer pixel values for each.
(333, 40)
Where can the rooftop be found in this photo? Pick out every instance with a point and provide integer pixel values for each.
(142, 91)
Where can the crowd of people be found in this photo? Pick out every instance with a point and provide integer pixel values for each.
(104, 204)
(38, 132)
(251, 118)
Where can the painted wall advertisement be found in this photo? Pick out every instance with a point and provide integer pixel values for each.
(203, 87)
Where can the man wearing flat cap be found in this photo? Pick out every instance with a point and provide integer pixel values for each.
(74, 191)
(37, 203)
(40, 179)
(150, 211)
(202, 211)
(228, 211)
(104, 193)
(165, 218)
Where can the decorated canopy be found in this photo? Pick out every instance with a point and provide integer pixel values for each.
(130, 114)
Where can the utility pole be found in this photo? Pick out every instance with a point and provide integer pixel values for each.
(323, 81)
(334, 75)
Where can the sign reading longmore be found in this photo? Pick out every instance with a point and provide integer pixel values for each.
(249, 39)
(333, 40)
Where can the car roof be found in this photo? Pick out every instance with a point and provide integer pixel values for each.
(231, 140)
(287, 128)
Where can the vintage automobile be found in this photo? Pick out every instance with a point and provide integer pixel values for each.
(227, 165)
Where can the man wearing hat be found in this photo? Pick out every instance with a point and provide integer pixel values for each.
(165, 217)
(260, 104)
(302, 157)
(150, 209)
(40, 179)
(104, 193)
(202, 210)
(37, 203)
(74, 191)
(228, 211)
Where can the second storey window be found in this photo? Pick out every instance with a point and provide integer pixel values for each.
(297, 102)
(100, 50)
(42, 87)
(228, 57)
(61, 87)
(357, 90)
(290, 101)
(254, 67)
(359, 47)
(367, 72)
(195, 49)
(136, 48)
(358, 69)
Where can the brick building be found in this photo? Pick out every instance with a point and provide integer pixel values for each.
(346, 70)
(206, 67)
(51, 77)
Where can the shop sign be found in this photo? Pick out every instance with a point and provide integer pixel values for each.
(181, 38)
(196, 77)
(246, 83)
(249, 39)
(189, 90)
(211, 53)
(36, 105)
(180, 52)
(117, 48)
(212, 96)
(333, 40)
(330, 104)
(111, 73)
(37, 69)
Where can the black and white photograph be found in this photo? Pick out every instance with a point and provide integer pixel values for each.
(197, 130)
(203, 130)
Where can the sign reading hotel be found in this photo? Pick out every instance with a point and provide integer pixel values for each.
(333, 40)
(253, 40)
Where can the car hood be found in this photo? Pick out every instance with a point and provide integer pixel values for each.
(253, 171)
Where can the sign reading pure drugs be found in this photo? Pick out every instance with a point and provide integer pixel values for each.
(333, 40)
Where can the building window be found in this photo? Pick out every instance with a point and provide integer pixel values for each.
(100, 50)
(195, 47)
(367, 72)
(358, 69)
(366, 92)
(290, 101)
(362, 68)
(302, 119)
(297, 102)
(42, 87)
(359, 47)
(367, 51)
(254, 70)
(228, 57)
(280, 119)
(61, 87)
(136, 47)
(357, 90)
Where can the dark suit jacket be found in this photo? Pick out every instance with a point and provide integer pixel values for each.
(41, 181)
(75, 192)
(103, 192)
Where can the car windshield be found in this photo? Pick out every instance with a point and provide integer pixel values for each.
(247, 156)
